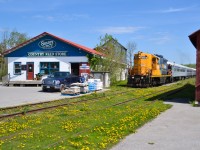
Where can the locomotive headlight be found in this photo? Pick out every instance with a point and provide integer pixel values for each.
(132, 77)
(56, 82)
(142, 77)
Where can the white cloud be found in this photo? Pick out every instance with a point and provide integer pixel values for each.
(61, 17)
(4, 30)
(119, 30)
(160, 38)
(175, 10)
(172, 10)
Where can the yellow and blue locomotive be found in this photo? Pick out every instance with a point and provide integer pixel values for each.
(149, 70)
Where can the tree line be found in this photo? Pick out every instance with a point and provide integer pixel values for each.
(9, 39)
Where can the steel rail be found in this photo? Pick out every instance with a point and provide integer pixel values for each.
(76, 102)
(53, 106)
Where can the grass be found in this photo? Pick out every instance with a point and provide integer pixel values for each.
(89, 125)
(188, 93)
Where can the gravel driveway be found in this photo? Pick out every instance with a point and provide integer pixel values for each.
(176, 129)
(14, 96)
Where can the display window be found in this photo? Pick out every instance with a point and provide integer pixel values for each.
(49, 67)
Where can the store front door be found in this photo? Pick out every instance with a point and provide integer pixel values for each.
(30, 70)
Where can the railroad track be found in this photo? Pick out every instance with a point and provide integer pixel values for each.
(63, 102)
(83, 101)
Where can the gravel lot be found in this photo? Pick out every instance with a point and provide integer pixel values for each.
(14, 96)
(176, 129)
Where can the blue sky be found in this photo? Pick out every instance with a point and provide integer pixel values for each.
(156, 26)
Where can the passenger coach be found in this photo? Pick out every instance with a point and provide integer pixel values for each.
(180, 72)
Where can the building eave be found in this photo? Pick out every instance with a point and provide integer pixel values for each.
(193, 37)
(86, 49)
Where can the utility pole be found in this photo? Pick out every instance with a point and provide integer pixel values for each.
(1, 64)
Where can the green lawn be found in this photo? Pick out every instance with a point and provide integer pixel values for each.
(89, 125)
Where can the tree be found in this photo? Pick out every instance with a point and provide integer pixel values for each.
(190, 65)
(114, 59)
(8, 41)
(131, 46)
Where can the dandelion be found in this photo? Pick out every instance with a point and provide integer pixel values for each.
(1, 142)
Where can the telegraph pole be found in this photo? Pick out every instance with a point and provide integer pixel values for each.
(1, 60)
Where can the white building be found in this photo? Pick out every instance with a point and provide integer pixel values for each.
(45, 54)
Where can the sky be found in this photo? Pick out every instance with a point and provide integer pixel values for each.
(155, 26)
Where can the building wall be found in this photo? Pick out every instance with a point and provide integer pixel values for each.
(197, 93)
(64, 64)
(123, 74)
(195, 39)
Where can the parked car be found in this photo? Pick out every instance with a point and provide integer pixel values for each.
(54, 81)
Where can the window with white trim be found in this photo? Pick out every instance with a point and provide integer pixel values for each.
(17, 68)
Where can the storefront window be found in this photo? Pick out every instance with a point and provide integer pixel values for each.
(48, 67)
(17, 68)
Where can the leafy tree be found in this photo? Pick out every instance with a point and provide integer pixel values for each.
(131, 46)
(191, 65)
(9, 40)
(114, 59)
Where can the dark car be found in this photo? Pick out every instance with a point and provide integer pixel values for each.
(53, 81)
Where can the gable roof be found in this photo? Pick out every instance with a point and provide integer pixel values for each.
(193, 37)
(86, 49)
(114, 41)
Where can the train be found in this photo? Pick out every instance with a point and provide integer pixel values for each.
(153, 69)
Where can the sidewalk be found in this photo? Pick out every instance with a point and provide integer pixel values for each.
(176, 129)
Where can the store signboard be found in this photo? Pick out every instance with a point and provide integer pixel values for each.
(84, 66)
(47, 44)
(47, 54)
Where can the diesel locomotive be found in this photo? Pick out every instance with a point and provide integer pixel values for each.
(152, 70)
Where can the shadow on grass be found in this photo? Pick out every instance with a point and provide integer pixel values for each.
(183, 94)
(122, 85)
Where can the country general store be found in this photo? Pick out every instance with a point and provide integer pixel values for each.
(45, 54)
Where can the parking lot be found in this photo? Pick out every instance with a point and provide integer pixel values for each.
(14, 96)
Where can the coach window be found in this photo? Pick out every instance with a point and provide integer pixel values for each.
(17, 68)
